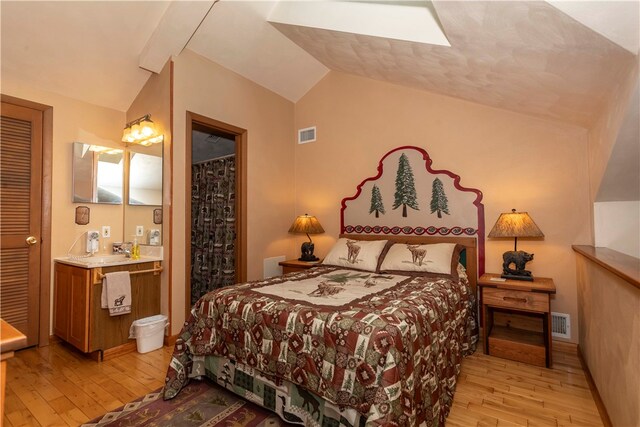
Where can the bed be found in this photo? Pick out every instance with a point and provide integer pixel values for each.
(363, 339)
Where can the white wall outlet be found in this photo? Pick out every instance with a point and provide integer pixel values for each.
(139, 230)
(106, 231)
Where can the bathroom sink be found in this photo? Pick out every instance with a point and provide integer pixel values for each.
(107, 259)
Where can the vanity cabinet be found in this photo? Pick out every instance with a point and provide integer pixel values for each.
(71, 305)
(78, 317)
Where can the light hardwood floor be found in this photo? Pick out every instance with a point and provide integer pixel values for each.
(498, 392)
(56, 386)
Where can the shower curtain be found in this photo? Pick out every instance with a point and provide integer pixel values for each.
(212, 225)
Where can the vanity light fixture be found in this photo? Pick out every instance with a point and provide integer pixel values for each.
(142, 131)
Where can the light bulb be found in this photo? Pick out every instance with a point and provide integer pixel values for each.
(147, 128)
(135, 132)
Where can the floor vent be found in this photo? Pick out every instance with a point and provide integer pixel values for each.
(560, 325)
(306, 135)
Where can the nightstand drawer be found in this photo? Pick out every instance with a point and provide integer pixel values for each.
(522, 300)
(296, 266)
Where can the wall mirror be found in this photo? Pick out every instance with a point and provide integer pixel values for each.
(143, 210)
(97, 174)
(145, 179)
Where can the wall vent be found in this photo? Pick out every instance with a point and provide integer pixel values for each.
(560, 325)
(306, 135)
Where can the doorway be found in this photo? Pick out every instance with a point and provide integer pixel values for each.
(25, 220)
(215, 214)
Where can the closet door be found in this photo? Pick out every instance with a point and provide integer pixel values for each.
(20, 214)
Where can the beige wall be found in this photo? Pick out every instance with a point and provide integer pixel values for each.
(155, 99)
(617, 226)
(82, 122)
(208, 89)
(604, 130)
(517, 161)
(610, 339)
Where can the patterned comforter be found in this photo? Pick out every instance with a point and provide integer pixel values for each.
(389, 346)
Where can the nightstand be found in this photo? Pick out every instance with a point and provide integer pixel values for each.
(293, 265)
(517, 318)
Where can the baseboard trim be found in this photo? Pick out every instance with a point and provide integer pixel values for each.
(604, 415)
(170, 341)
(128, 347)
(54, 339)
(565, 346)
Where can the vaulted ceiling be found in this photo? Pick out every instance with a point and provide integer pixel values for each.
(525, 56)
(521, 56)
(85, 50)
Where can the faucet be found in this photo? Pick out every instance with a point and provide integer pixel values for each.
(126, 249)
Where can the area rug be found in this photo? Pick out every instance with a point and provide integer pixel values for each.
(201, 403)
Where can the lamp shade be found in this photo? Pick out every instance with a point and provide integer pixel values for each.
(515, 224)
(306, 224)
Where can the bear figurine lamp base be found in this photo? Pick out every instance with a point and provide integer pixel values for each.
(515, 224)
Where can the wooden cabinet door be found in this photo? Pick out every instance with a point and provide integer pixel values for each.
(61, 299)
(79, 308)
(71, 305)
(20, 216)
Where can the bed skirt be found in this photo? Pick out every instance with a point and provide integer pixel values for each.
(294, 404)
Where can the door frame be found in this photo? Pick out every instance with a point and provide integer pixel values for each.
(240, 203)
(45, 214)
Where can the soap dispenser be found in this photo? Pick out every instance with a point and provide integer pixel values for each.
(135, 250)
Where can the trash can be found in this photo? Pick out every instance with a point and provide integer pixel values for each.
(148, 332)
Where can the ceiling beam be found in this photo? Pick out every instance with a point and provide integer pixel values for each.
(175, 29)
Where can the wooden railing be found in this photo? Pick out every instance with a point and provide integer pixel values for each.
(622, 265)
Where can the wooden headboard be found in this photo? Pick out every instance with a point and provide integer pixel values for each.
(409, 201)
(469, 243)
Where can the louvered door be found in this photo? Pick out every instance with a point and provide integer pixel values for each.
(20, 213)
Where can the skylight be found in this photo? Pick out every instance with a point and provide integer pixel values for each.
(414, 21)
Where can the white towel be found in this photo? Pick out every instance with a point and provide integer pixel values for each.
(116, 293)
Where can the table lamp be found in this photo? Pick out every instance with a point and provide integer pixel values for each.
(515, 224)
(307, 224)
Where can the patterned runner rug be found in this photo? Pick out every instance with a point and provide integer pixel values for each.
(201, 403)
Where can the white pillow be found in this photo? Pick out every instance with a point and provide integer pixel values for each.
(434, 258)
(360, 254)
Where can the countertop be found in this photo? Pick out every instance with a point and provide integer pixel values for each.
(10, 338)
(105, 260)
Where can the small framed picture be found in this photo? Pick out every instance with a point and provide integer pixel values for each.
(157, 216)
(82, 215)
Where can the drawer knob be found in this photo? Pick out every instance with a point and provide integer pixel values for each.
(523, 300)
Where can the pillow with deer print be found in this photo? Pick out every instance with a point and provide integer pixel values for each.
(360, 254)
(441, 258)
